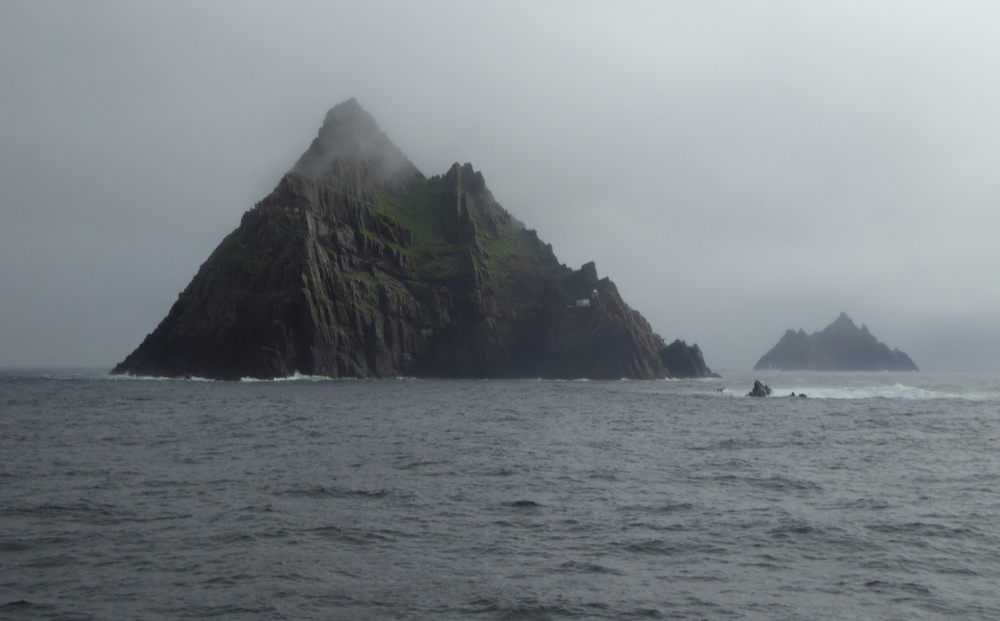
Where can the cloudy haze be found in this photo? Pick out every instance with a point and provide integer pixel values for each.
(737, 168)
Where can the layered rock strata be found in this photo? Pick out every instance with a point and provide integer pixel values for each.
(357, 265)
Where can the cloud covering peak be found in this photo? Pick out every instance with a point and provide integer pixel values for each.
(351, 133)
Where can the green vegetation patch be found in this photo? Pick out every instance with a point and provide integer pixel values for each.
(428, 214)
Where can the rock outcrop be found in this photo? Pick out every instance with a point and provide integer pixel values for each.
(357, 265)
(841, 346)
(685, 360)
(760, 389)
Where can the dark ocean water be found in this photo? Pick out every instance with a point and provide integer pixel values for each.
(876, 498)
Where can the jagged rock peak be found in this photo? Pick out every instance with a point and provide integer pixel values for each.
(841, 346)
(843, 321)
(475, 200)
(350, 137)
(467, 177)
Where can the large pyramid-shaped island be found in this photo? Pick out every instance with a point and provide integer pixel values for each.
(357, 265)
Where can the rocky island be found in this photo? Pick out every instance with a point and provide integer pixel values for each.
(841, 346)
(357, 265)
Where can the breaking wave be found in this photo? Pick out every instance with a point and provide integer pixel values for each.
(894, 391)
(295, 377)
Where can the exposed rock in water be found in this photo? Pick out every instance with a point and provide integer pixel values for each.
(357, 265)
(759, 389)
(841, 346)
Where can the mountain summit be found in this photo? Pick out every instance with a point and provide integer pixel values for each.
(357, 265)
(350, 143)
(841, 346)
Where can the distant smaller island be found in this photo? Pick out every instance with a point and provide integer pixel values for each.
(841, 346)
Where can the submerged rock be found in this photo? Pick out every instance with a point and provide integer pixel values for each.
(357, 265)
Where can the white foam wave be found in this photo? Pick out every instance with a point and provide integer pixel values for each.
(295, 377)
(894, 391)
(155, 378)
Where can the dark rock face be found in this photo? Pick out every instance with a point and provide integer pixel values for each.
(357, 265)
(759, 389)
(685, 360)
(841, 346)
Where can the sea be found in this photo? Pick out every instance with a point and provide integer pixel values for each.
(876, 496)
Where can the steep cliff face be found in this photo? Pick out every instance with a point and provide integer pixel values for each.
(356, 265)
(685, 360)
(841, 346)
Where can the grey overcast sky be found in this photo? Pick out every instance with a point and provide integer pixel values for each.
(737, 168)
